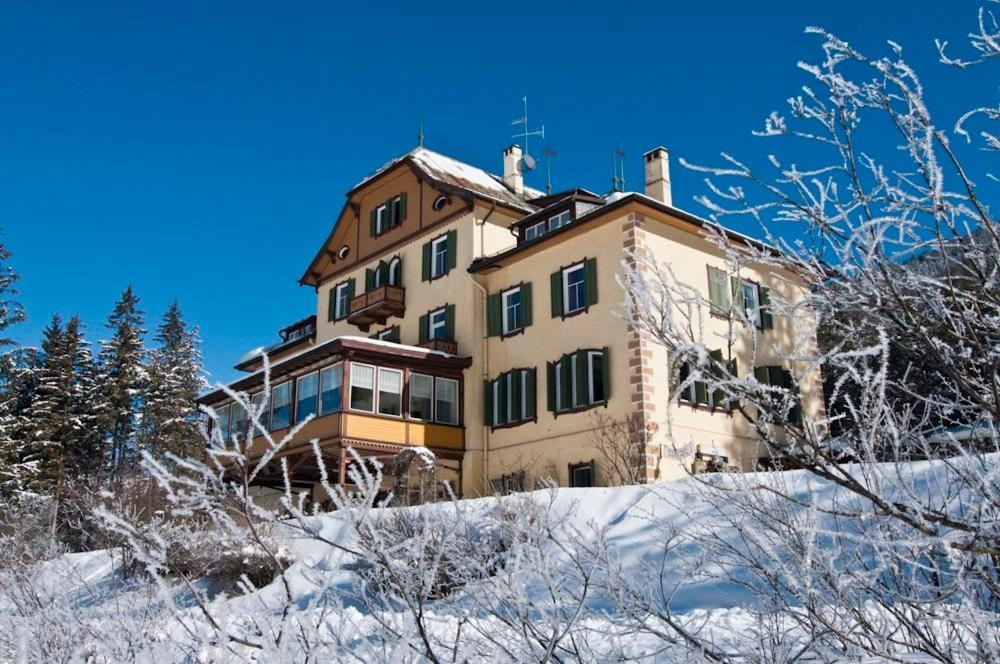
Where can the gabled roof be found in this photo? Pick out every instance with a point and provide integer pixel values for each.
(439, 168)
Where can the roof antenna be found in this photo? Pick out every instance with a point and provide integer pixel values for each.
(618, 164)
(527, 161)
(420, 132)
(549, 153)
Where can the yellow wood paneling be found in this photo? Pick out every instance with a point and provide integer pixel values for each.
(375, 428)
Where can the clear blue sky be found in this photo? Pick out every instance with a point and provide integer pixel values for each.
(201, 150)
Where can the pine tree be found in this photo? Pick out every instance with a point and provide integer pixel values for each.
(122, 380)
(11, 311)
(18, 382)
(42, 462)
(170, 416)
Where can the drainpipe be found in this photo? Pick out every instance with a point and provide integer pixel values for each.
(486, 359)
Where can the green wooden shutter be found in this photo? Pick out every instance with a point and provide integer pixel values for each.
(518, 390)
(567, 378)
(452, 249)
(350, 293)
(372, 223)
(425, 270)
(775, 375)
(555, 281)
(762, 375)
(526, 304)
(530, 399)
(683, 372)
(734, 372)
(332, 305)
(424, 324)
(494, 316)
(700, 392)
(550, 380)
(718, 295)
(766, 319)
(449, 322)
(369, 279)
(607, 374)
(488, 402)
(590, 280)
(383, 272)
(795, 413)
(402, 208)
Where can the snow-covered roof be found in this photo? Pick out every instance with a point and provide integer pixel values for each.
(459, 174)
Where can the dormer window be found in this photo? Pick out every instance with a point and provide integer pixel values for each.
(534, 231)
(559, 220)
(387, 215)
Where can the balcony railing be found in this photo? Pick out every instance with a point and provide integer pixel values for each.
(443, 345)
(376, 306)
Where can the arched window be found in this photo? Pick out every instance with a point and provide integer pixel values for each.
(394, 268)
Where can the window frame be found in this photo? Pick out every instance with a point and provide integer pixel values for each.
(528, 229)
(756, 317)
(393, 278)
(409, 400)
(378, 391)
(347, 301)
(443, 311)
(224, 429)
(591, 382)
(590, 467)
(373, 388)
(386, 331)
(265, 416)
(296, 419)
(441, 241)
(505, 329)
(381, 218)
(319, 392)
(549, 222)
(290, 405)
(580, 267)
(458, 401)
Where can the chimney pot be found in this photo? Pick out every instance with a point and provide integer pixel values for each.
(657, 162)
(512, 176)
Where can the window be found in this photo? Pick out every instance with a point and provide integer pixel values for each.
(579, 380)
(573, 289)
(438, 324)
(751, 301)
(781, 377)
(581, 474)
(257, 402)
(381, 219)
(534, 231)
(439, 256)
(363, 387)
(222, 415)
(559, 220)
(446, 403)
(377, 276)
(395, 211)
(421, 397)
(718, 291)
(512, 317)
(341, 300)
(306, 390)
(238, 422)
(697, 392)
(390, 392)
(330, 381)
(281, 405)
(439, 203)
(395, 267)
(510, 398)
(389, 334)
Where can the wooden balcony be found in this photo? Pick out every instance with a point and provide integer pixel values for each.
(443, 345)
(376, 306)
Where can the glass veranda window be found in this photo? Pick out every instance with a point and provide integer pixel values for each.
(446, 403)
(331, 380)
(306, 396)
(222, 421)
(363, 387)
(421, 397)
(281, 405)
(257, 402)
(390, 392)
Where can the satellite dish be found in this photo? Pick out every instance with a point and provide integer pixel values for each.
(527, 163)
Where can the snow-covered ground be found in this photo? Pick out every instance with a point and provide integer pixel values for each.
(635, 531)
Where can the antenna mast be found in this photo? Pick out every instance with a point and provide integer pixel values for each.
(549, 153)
(617, 169)
(420, 132)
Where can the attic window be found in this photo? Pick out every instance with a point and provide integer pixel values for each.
(343, 252)
(439, 203)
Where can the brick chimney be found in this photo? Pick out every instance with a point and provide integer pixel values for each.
(658, 175)
(512, 176)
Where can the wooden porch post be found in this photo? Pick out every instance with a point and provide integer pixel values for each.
(342, 475)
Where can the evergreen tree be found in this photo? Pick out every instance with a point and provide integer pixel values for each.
(170, 416)
(122, 380)
(11, 311)
(42, 462)
(18, 382)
